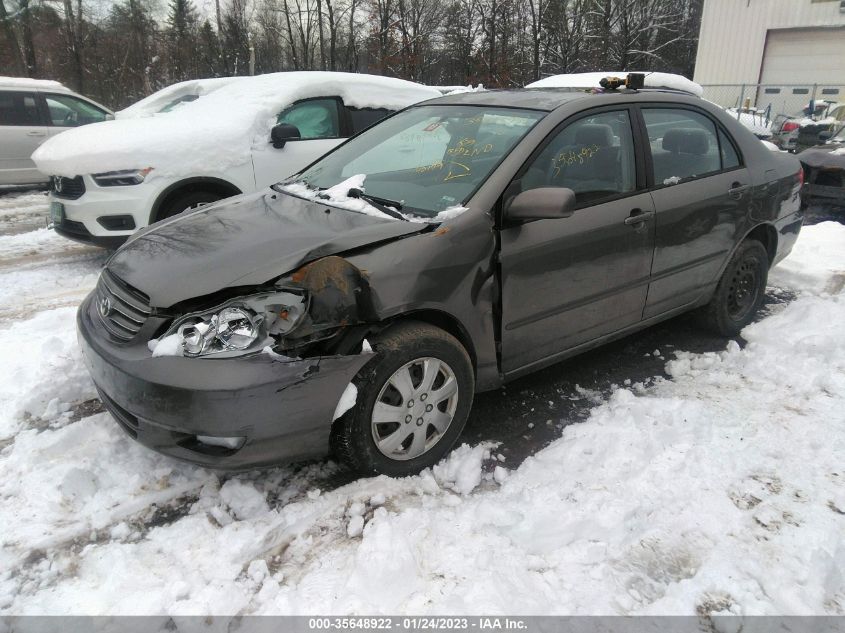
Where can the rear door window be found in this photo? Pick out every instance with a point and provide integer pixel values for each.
(684, 145)
(19, 109)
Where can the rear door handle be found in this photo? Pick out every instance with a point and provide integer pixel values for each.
(36, 133)
(737, 190)
(638, 217)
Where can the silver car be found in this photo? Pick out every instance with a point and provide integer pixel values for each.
(31, 111)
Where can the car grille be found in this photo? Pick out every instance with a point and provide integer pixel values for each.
(70, 188)
(122, 309)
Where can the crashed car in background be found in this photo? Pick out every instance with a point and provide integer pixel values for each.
(464, 242)
(236, 136)
(811, 134)
(787, 127)
(824, 171)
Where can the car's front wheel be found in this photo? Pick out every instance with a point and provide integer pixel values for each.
(187, 202)
(740, 291)
(413, 400)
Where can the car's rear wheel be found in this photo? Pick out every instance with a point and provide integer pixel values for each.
(413, 400)
(187, 201)
(740, 291)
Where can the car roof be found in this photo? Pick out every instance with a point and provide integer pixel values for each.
(546, 99)
(25, 83)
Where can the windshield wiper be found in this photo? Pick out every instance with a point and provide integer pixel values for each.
(379, 203)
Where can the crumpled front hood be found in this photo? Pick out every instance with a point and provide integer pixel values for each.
(243, 241)
(823, 156)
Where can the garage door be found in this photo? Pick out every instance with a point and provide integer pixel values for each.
(805, 56)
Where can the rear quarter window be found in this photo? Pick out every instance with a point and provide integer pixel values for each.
(18, 109)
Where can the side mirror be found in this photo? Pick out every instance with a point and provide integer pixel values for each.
(825, 136)
(282, 133)
(544, 203)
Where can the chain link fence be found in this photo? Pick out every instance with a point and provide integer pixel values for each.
(765, 102)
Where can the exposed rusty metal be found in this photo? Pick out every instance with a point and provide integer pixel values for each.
(338, 298)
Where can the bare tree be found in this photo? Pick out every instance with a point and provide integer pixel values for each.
(12, 39)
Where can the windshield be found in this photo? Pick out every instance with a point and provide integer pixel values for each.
(427, 158)
(178, 102)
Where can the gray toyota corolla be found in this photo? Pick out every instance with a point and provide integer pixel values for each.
(463, 242)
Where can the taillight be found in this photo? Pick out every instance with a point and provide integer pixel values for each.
(801, 177)
(790, 126)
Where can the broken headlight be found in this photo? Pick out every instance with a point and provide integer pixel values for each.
(239, 325)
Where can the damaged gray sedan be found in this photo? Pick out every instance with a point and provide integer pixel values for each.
(358, 306)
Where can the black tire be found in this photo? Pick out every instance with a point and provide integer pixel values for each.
(185, 201)
(740, 291)
(353, 435)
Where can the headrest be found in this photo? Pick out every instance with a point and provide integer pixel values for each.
(686, 140)
(594, 134)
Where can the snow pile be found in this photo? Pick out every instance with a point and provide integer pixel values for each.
(32, 84)
(347, 401)
(455, 90)
(49, 339)
(591, 80)
(217, 131)
(817, 263)
(167, 96)
(461, 470)
(168, 346)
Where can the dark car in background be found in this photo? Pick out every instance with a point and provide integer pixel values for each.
(794, 132)
(811, 134)
(824, 170)
(449, 249)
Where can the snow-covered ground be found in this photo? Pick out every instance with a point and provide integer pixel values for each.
(718, 490)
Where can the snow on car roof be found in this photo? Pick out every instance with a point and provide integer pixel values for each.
(166, 96)
(591, 80)
(32, 84)
(220, 130)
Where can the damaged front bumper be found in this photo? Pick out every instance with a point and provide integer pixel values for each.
(281, 410)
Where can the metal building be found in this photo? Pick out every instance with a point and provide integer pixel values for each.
(778, 48)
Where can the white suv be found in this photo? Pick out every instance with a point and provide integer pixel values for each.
(31, 111)
(115, 177)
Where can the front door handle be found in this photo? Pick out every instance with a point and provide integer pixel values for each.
(737, 190)
(36, 133)
(638, 217)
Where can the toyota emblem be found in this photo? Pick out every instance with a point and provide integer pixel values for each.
(104, 306)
